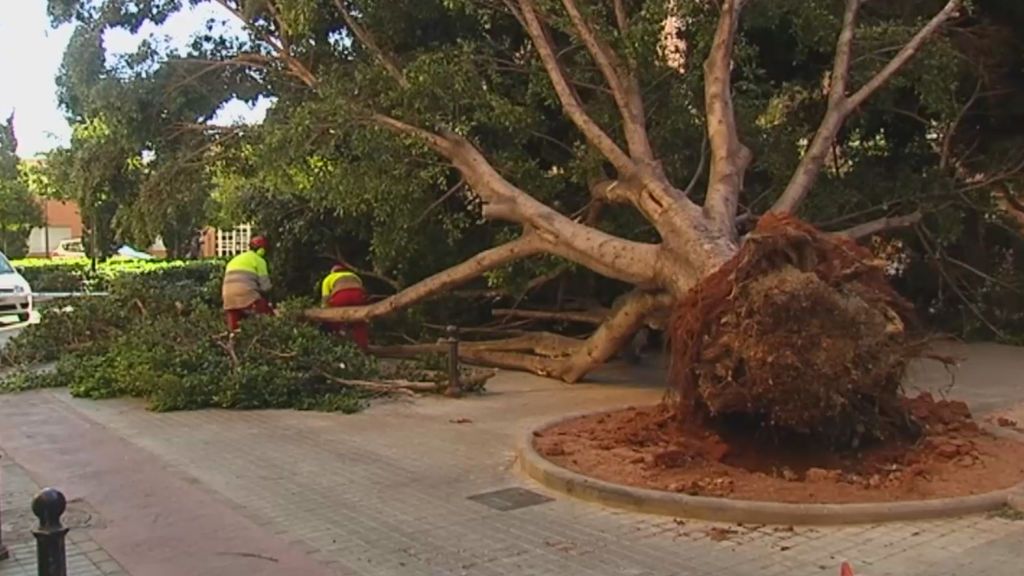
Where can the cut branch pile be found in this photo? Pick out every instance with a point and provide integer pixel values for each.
(800, 332)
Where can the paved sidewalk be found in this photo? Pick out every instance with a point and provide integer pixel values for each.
(85, 557)
(388, 491)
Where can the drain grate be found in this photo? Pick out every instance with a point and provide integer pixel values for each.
(510, 499)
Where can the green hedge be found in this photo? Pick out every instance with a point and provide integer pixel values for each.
(160, 335)
(77, 276)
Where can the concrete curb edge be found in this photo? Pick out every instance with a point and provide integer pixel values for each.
(664, 503)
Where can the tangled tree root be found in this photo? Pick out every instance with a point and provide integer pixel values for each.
(799, 332)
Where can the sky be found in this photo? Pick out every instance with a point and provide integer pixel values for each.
(30, 57)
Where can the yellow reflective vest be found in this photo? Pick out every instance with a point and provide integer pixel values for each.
(246, 280)
(336, 281)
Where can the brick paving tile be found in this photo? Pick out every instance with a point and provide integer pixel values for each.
(84, 556)
(388, 492)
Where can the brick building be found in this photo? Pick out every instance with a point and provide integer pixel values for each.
(64, 222)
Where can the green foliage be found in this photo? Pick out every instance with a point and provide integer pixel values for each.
(135, 165)
(166, 343)
(76, 275)
(19, 212)
(190, 363)
(327, 186)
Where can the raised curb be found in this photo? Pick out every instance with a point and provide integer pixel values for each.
(664, 503)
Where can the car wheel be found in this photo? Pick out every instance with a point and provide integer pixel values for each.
(24, 317)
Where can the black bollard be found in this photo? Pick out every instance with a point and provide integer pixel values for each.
(454, 386)
(48, 506)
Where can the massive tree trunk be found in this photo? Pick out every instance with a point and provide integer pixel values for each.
(696, 241)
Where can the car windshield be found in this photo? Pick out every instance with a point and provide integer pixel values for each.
(5, 265)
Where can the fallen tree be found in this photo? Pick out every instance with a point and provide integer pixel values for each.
(696, 240)
(383, 80)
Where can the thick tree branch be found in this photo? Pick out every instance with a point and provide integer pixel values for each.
(541, 353)
(523, 247)
(570, 100)
(729, 157)
(628, 261)
(840, 106)
(614, 257)
(608, 255)
(435, 142)
(625, 89)
(370, 42)
(628, 314)
(880, 225)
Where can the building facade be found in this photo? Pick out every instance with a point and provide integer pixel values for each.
(63, 221)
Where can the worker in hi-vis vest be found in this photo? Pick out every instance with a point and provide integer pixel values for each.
(246, 286)
(340, 289)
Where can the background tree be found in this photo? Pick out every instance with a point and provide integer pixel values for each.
(19, 211)
(137, 163)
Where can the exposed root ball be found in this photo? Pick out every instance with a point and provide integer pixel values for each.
(799, 332)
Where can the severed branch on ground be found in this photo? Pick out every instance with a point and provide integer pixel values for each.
(420, 382)
(622, 82)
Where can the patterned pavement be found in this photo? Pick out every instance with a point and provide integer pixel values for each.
(388, 492)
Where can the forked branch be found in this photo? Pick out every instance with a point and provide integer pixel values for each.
(840, 106)
(729, 157)
(567, 96)
(623, 84)
(281, 48)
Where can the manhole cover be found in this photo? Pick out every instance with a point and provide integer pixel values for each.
(510, 499)
(19, 522)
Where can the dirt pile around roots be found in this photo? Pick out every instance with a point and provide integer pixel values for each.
(799, 331)
(650, 448)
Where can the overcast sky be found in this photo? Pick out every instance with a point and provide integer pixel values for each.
(30, 57)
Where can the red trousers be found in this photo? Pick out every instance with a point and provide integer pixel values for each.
(234, 317)
(359, 332)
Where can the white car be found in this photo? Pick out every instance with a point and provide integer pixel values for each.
(71, 248)
(15, 293)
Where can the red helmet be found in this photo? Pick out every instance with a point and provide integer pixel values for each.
(258, 242)
(339, 268)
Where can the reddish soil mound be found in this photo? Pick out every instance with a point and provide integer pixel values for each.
(647, 447)
(799, 330)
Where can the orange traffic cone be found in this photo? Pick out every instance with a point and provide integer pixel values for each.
(845, 569)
